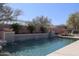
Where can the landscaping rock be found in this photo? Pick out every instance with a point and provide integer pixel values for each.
(0, 47)
(5, 54)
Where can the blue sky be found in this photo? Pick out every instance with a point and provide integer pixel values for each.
(58, 13)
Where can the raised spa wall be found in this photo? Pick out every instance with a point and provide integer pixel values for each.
(11, 36)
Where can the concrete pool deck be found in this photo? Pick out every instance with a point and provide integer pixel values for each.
(69, 50)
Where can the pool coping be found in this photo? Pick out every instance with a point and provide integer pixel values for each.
(69, 37)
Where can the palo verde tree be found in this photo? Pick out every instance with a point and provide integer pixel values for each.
(73, 22)
(42, 23)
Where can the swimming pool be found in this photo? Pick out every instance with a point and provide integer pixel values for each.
(40, 47)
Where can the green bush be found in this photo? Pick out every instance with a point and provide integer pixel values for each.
(15, 27)
(31, 28)
(43, 29)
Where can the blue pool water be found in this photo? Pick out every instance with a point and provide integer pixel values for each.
(40, 47)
